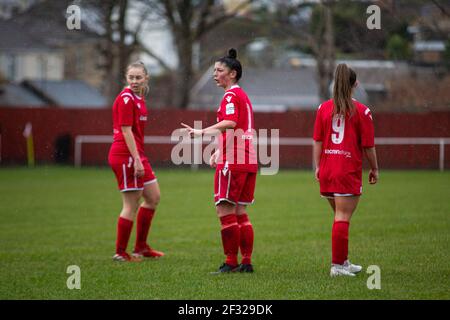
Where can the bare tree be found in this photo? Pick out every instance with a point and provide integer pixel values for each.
(189, 21)
(324, 50)
(317, 34)
(120, 41)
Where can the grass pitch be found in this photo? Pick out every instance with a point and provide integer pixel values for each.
(54, 217)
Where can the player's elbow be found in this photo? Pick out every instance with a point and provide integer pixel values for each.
(317, 143)
(126, 129)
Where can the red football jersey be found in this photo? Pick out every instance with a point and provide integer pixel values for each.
(128, 110)
(343, 140)
(236, 146)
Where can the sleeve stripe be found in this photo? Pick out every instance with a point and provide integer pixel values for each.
(127, 94)
(249, 120)
(229, 92)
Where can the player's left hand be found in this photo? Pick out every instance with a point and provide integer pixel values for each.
(317, 174)
(373, 176)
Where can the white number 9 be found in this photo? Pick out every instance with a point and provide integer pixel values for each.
(338, 129)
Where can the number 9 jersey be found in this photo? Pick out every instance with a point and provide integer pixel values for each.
(343, 140)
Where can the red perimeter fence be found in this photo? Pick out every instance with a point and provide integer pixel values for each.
(55, 131)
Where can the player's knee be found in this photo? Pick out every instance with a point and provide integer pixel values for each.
(225, 208)
(130, 205)
(342, 216)
(152, 200)
(241, 209)
(128, 212)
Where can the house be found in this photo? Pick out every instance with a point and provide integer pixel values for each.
(51, 93)
(430, 34)
(15, 95)
(24, 56)
(429, 52)
(36, 44)
(284, 88)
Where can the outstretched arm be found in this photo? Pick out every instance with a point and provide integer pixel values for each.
(220, 126)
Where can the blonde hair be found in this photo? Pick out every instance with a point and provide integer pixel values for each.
(344, 81)
(139, 64)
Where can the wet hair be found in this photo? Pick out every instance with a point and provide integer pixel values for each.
(139, 64)
(232, 63)
(344, 81)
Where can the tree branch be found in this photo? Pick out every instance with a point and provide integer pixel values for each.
(219, 20)
(154, 56)
(442, 8)
(203, 16)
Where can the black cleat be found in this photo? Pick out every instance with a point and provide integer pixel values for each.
(225, 268)
(245, 268)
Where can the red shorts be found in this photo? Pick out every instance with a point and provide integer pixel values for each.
(123, 168)
(235, 187)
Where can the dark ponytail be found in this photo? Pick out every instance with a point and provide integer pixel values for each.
(344, 81)
(232, 63)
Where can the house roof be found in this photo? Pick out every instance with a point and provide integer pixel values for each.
(271, 90)
(42, 26)
(67, 93)
(15, 95)
(284, 87)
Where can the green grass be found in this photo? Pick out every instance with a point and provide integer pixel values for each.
(53, 217)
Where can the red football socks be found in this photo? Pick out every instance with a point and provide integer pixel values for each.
(246, 238)
(230, 238)
(144, 221)
(124, 227)
(339, 239)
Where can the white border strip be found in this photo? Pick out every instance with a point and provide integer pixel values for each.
(440, 141)
(150, 182)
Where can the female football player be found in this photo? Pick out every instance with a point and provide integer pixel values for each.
(343, 132)
(236, 165)
(132, 169)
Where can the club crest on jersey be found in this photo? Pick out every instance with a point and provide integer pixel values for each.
(225, 168)
(139, 105)
(228, 98)
(229, 109)
(224, 171)
(126, 99)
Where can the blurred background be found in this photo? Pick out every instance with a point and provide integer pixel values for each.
(58, 79)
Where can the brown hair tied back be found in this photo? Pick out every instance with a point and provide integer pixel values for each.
(344, 81)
